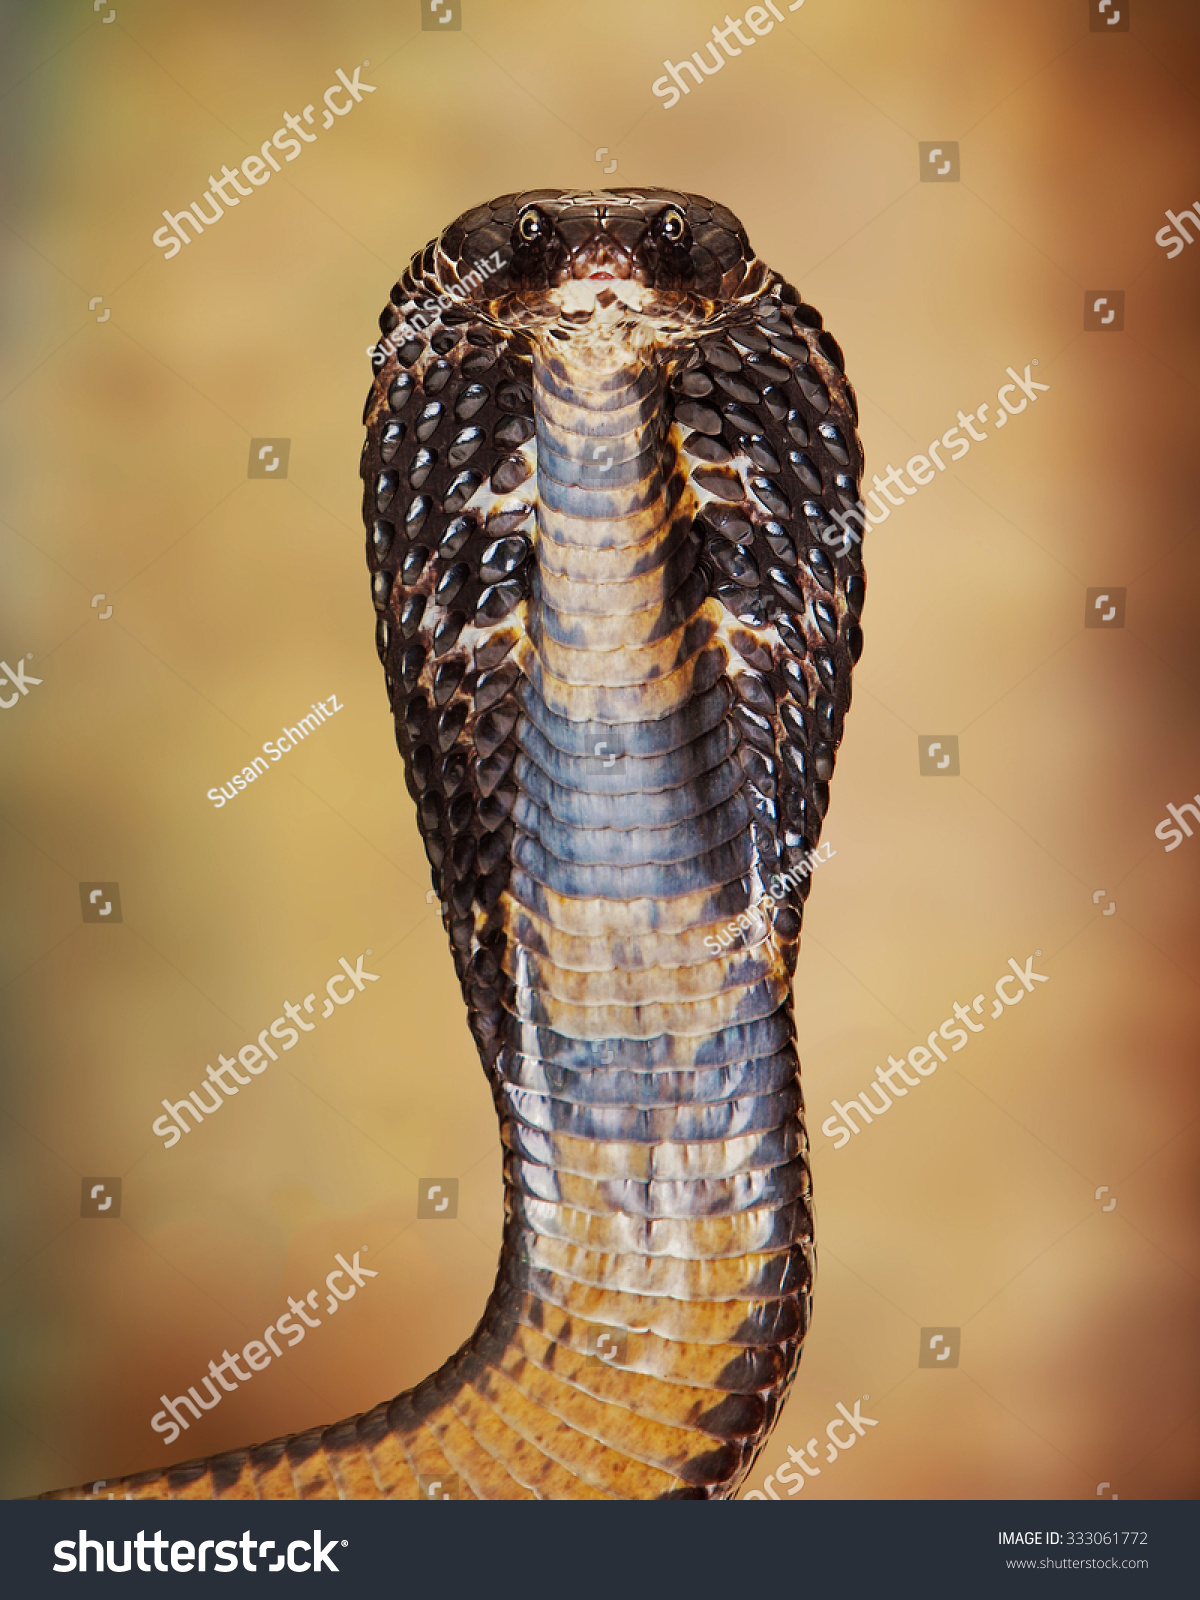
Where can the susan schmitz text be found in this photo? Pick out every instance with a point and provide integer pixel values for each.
(319, 712)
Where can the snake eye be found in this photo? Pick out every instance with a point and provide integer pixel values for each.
(531, 225)
(673, 226)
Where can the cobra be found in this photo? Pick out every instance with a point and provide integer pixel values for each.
(617, 622)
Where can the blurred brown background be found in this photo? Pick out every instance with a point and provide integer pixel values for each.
(236, 602)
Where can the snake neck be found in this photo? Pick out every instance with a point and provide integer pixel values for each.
(654, 1283)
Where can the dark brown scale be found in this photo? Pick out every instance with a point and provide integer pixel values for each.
(802, 465)
(455, 537)
(704, 448)
(765, 371)
(510, 474)
(749, 339)
(461, 490)
(450, 725)
(760, 452)
(496, 602)
(502, 558)
(736, 563)
(464, 445)
(390, 440)
(821, 567)
(831, 436)
(411, 613)
(400, 391)
(382, 535)
(719, 356)
(419, 508)
(771, 495)
(785, 588)
(385, 488)
(413, 661)
(454, 773)
(507, 520)
(726, 485)
(451, 583)
(813, 390)
(448, 629)
(429, 420)
(472, 400)
(736, 387)
(513, 431)
(416, 715)
(423, 464)
(446, 680)
(703, 418)
(797, 427)
(414, 563)
(477, 361)
(696, 384)
(493, 728)
(776, 402)
(826, 619)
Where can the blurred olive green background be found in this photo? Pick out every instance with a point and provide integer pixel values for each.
(237, 602)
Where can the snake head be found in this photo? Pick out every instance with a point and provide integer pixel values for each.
(553, 255)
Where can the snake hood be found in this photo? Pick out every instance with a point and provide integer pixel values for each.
(609, 459)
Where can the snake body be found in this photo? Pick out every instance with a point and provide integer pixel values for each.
(600, 483)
